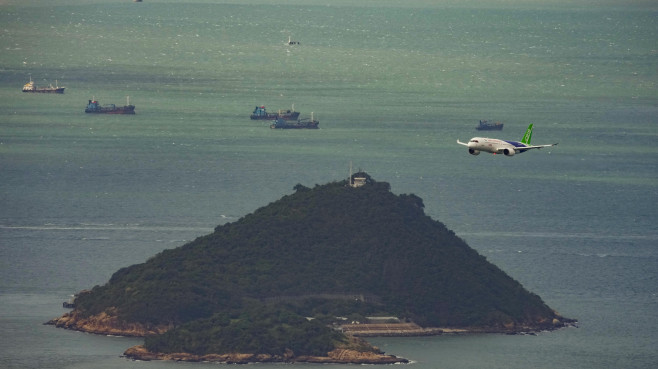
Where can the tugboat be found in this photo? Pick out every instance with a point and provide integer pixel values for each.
(299, 124)
(261, 113)
(486, 125)
(94, 107)
(31, 87)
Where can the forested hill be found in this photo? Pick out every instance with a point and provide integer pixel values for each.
(331, 250)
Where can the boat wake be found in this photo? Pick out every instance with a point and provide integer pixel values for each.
(581, 235)
(106, 227)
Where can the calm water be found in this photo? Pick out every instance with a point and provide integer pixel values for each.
(394, 84)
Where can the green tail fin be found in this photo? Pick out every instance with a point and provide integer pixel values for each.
(527, 136)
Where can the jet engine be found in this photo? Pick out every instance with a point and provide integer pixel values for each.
(509, 152)
(474, 152)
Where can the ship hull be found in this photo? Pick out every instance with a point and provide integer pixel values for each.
(282, 124)
(93, 107)
(486, 125)
(46, 91)
(124, 110)
(494, 128)
(273, 116)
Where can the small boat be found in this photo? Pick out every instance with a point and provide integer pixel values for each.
(291, 42)
(299, 124)
(486, 125)
(32, 87)
(94, 107)
(261, 113)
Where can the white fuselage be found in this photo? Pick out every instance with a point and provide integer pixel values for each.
(495, 146)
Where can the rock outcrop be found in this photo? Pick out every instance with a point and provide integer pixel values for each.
(106, 323)
(338, 356)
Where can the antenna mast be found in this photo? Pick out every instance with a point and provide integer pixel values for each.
(349, 179)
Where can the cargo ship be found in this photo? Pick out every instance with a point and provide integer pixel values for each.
(32, 87)
(299, 124)
(94, 107)
(261, 113)
(486, 125)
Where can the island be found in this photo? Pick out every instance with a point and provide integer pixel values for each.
(304, 279)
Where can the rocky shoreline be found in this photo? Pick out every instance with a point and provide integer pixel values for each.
(108, 323)
(337, 356)
(414, 330)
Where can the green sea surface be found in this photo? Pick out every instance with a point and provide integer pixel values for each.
(394, 84)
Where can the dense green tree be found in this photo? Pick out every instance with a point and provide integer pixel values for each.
(327, 251)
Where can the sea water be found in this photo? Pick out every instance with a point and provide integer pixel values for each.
(394, 84)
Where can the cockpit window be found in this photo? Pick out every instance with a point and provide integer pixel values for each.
(476, 141)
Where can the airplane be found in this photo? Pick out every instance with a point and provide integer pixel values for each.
(495, 146)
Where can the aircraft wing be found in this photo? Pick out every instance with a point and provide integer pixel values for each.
(534, 147)
(461, 143)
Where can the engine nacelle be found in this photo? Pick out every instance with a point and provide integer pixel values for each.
(474, 152)
(509, 152)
